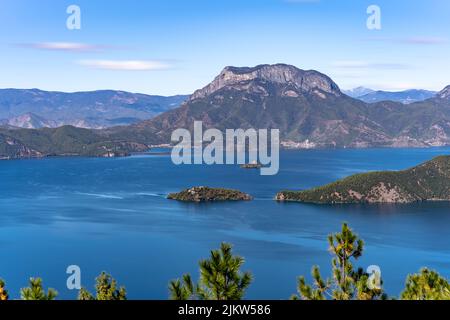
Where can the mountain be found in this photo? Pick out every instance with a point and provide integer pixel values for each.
(358, 92)
(427, 182)
(62, 141)
(11, 148)
(405, 97)
(302, 104)
(444, 94)
(30, 121)
(97, 109)
(307, 107)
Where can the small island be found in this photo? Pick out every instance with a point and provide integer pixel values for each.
(429, 181)
(206, 194)
(253, 165)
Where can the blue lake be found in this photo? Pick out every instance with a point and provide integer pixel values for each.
(112, 215)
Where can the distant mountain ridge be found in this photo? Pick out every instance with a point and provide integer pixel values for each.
(307, 107)
(30, 121)
(63, 141)
(35, 108)
(405, 97)
(358, 92)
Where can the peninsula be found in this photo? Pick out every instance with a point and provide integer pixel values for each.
(429, 181)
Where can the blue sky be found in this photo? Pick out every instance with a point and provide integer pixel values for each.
(176, 46)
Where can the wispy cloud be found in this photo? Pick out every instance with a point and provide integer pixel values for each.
(357, 64)
(425, 40)
(428, 40)
(301, 1)
(64, 46)
(397, 86)
(126, 65)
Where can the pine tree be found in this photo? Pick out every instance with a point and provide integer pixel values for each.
(426, 285)
(3, 292)
(363, 291)
(346, 283)
(182, 290)
(345, 246)
(220, 279)
(36, 291)
(84, 294)
(106, 289)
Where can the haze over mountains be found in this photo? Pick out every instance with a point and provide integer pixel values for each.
(98, 109)
(405, 97)
(358, 92)
(33, 109)
(307, 107)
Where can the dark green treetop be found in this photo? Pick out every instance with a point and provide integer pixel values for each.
(220, 278)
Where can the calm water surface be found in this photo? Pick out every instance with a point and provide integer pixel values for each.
(111, 214)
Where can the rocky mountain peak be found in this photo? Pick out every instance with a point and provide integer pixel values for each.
(445, 93)
(281, 74)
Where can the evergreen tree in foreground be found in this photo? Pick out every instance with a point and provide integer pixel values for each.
(426, 285)
(36, 291)
(346, 283)
(220, 279)
(182, 289)
(3, 292)
(106, 289)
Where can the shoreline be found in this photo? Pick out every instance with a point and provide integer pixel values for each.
(281, 148)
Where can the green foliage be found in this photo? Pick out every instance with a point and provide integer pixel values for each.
(426, 285)
(220, 279)
(308, 292)
(182, 290)
(346, 283)
(203, 194)
(65, 141)
(344, 246)
(36, 291)
(430, 180)
(84, 294)
(365, 292)
(3, 292)
(106, 289)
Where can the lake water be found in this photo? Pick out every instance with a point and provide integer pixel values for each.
(111, 214)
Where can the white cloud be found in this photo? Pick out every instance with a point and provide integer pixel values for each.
(64, 46)
(357, 64)
(397, 86)
(427, 40)
(301, 1)
(126, 65)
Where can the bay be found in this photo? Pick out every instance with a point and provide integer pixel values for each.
(112, 215)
